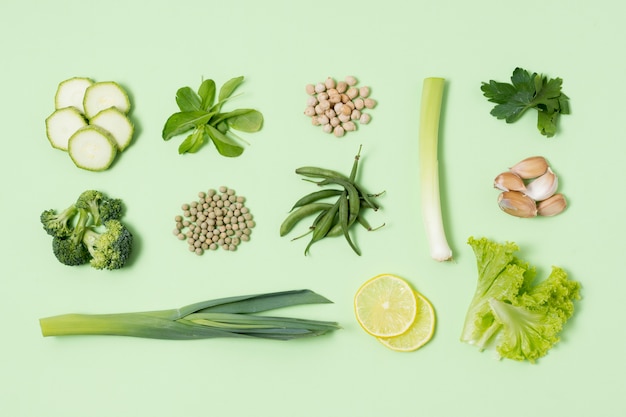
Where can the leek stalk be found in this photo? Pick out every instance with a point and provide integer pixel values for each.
(432, 96)
(225, 317)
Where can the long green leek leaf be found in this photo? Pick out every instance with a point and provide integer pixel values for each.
(224, 317)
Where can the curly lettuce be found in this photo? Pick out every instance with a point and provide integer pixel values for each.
(521, 319)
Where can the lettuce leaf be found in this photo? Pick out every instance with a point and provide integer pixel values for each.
(521, 319)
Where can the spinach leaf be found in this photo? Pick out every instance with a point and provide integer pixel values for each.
(248, 120)
(225, 145)
(193, 142)
(207, 93)
(229, 87)
(182, 122)
(188, 100)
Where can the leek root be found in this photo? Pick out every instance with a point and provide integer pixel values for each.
(432, 96)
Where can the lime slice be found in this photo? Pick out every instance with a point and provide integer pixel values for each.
(385, 306)
(420, 332)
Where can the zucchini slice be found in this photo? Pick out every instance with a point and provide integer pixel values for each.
(92, 148)
(71, 93)
(102, 95)
(116, 123)
(62, 124)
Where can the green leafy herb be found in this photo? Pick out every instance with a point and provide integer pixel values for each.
(202, 118)
(528, 91)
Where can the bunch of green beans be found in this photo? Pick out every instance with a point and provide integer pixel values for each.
(333, 219)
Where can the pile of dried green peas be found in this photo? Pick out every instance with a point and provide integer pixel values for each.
(333, 219)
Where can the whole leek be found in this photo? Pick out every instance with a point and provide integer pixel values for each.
(224, 317)
(432, 96)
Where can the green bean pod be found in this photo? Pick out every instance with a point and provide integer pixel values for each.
(363, 222)
(304, 211)
(316, 196)
(315, 172)
(344, 220)
(324, 226)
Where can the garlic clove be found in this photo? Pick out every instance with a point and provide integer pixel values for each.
(517, 204)
(552, 206)
(542, 187)
(508, 181)
(529, 168)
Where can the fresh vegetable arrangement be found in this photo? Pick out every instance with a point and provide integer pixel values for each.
(332, 219)
(90, 122)
(217, 219)
(529, 189)
(432, 97)
(203, 116)
(521, 319)
(224, 317)
(528, 91)
(338, 107)
(89, 230)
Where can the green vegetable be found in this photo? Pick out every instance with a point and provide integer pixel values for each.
(103, 95)
(332, 219)
(509, 311)
(225, 317)
(92, 148)
(109, 248)
(101, 207)
(62, 124)
(430, 112)
(71, 92)
(526, 91)
(89, 231)
(202, 116)
(90, 122)
(117, 123)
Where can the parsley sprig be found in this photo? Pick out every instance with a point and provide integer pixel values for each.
(526, 91)
(200, 114)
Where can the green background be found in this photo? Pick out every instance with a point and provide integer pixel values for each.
(153, 48)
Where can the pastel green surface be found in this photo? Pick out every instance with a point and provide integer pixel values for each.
(154, 48)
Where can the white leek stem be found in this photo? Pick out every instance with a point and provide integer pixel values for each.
(432, 95)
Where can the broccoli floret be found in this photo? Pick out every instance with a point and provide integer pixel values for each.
(58, 224)
(69, 249)
(101, 207)
(70, 253)
(90, 201)
(110, 209)
(110, 249)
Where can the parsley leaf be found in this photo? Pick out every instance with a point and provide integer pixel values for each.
(528, 91)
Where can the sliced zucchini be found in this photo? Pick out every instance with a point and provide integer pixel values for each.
(62, 124)
(116, 123)
(102, 95)
(92, 148)
(71, 93)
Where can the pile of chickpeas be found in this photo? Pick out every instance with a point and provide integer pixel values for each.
(338, 106)
(217, 219)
